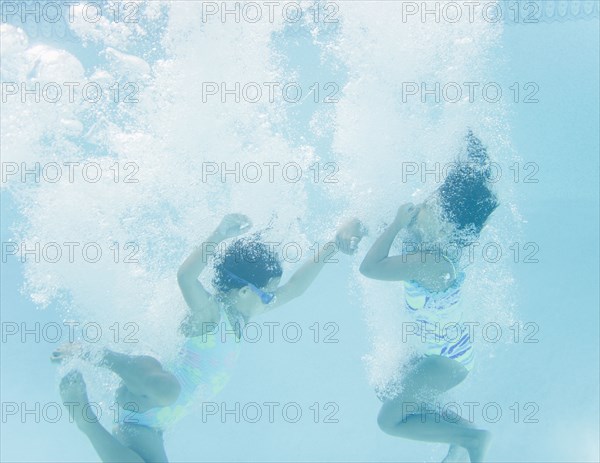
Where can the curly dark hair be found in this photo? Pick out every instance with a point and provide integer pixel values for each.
(247, 258)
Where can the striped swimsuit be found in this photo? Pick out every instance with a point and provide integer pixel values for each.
(439, 328)
(203, 367)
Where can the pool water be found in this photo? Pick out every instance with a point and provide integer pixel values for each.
(356, 102)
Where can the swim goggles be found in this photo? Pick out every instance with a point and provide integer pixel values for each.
(265, 297)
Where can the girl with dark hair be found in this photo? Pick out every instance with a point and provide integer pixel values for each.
(450, 219)
(153, 396)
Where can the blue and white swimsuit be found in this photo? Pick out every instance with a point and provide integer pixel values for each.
(437, 328)
(439, 325)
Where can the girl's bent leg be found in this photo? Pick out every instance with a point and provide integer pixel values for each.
(144, 376)
(411, 415)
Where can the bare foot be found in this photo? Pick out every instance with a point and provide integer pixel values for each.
(478, 449)
(456, 454)
(74, 396)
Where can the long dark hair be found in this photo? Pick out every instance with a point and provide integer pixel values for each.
(466, 197)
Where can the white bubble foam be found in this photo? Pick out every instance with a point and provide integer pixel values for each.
(173, 131)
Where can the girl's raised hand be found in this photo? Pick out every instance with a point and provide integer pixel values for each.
(406, 213)
(349, 235)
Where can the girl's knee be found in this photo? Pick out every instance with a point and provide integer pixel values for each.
(150, 363)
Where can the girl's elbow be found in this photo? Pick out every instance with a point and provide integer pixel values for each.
(365, 270)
